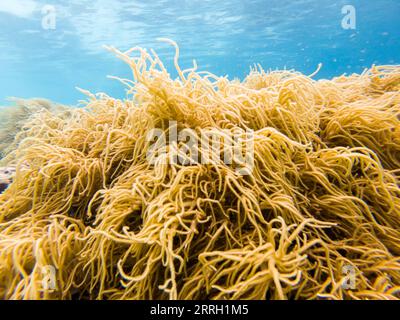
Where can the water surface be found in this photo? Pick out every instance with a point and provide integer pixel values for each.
(225, 37)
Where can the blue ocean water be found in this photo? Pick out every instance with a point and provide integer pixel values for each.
(49, 47)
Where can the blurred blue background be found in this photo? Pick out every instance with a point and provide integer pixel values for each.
(225, 37)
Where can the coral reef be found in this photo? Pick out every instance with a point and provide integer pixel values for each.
(13, 118)
(321, 203)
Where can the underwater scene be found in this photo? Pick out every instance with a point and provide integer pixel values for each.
(199, 150)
